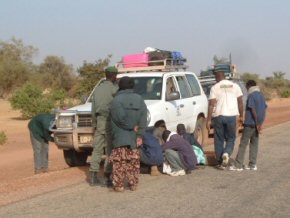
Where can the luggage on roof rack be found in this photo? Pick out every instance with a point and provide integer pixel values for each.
(158, 55)
(152, 59)
(158, 65)
(135, 60)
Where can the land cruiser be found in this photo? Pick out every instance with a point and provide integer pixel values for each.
(171, 94)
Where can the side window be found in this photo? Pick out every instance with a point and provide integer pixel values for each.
(193, 84)
(170, 86)
(183, 87)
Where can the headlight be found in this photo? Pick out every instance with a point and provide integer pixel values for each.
(148, 117)
(64, 122)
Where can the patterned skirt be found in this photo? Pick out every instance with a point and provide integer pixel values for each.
(126, 165)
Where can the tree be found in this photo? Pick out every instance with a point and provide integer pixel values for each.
(15, 64)
(90, 74)
(279, 75)
(221, 60)
(56, 73)
(250, 76)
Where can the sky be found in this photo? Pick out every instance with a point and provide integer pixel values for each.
(255, 32)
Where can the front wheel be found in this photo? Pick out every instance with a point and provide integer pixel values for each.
(199, 132)
(74, 158)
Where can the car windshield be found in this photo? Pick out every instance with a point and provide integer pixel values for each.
(150, 88)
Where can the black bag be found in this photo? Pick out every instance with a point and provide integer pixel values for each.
(159, 56)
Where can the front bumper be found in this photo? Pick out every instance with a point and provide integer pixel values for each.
(78, 139)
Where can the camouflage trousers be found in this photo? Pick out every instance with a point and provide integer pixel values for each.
(126, 165)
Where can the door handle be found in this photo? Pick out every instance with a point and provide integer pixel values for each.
(194, 103)
(182, 105)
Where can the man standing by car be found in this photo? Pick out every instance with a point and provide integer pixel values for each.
(101, 103)
(254, 119)
(225, 104)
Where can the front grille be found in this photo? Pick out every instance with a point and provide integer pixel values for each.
(85, 120)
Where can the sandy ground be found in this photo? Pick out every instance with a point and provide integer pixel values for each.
(17, 180)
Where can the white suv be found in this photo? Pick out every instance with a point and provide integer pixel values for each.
(175, 97)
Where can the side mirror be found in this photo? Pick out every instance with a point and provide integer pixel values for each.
(173, 96)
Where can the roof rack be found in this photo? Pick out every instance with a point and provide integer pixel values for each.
(207, 79)
(159, 65)
(210, 78)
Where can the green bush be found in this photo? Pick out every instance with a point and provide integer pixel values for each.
(3, 138)
(31, 100)
(285, 93)
(58, 97)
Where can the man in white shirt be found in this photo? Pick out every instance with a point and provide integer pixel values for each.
(225, 104)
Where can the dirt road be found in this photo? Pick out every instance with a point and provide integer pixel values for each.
(206, 192)
(17, 181)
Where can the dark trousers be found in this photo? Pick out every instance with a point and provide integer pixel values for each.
(250, 134)
(224, 135)
(40, 153)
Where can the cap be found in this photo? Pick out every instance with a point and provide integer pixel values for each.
(218, 70)
(111, 69)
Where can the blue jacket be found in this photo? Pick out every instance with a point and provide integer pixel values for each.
(191, 140)
(151, 149)
(256, 100)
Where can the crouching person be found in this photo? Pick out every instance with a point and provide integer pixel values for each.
(129, 114)
(178, 153)
(197, 148)
(151, 153)
(187, 136)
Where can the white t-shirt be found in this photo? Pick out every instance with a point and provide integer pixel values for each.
(226, 93)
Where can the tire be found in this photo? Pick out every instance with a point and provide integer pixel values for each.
(199, 132)
(74, 158)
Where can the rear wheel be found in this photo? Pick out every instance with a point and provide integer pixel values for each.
(199, 132)
(74, 158)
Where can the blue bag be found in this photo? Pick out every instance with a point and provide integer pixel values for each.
(177, 58)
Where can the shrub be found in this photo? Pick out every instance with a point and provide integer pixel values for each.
(58, 97)
(285, 93)
(31, 101)
(3, 138)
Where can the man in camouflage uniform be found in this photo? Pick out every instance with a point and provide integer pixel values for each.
(129, 114)
(101, 103)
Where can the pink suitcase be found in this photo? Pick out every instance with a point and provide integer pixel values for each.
(135, 60)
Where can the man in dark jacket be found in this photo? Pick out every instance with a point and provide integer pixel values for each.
(101, 121)
(151, 153)
(187, 136)
(40, 136)
(178, 153)
(129, 114)
(255, 116)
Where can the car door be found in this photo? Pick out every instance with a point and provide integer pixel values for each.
(187, 103)
(173, 112)
(199, 99)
